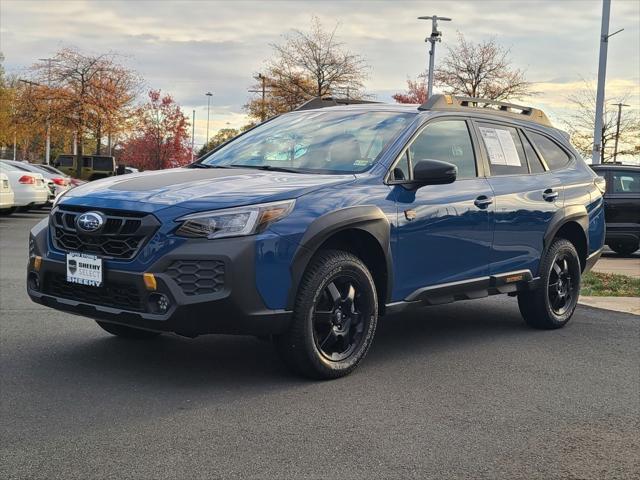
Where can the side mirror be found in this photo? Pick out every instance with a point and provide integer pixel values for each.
(434, 172)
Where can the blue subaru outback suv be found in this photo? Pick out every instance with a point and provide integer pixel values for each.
(310, 226)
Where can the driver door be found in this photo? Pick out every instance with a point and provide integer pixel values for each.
(444, 232)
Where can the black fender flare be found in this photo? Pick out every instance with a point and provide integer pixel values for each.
(367, 218)
(572, 213)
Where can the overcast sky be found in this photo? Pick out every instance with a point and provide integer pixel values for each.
(188, 48)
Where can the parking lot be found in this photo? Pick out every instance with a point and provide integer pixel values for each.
(458, 391)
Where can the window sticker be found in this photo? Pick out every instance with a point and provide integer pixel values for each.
(500, 147)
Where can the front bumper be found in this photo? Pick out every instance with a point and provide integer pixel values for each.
(230, 304)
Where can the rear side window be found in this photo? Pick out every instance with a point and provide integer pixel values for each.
(504, 149)
(535, 165)
(102, 163)
(555, 156)
(65, 161)
(625, 182)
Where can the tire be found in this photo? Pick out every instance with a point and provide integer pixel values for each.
(7, 211)
(624, 248)
(552, 304)
(127, 332)
(334, 317)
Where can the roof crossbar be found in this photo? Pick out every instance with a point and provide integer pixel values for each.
(323, 102)
(451, 102)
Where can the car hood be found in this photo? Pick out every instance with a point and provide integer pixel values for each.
(197, 189)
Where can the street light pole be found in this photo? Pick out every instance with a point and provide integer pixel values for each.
(47, 150)
(596, 154)
(193, 136)
(435, 37)
(615, 145)
(209, 95)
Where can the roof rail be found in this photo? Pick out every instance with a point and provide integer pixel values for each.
(451, 102)
(323, 102)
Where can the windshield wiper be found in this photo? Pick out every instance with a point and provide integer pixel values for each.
(271, 168)
(206, 165)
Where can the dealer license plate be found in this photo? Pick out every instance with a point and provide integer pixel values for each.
(84, 269)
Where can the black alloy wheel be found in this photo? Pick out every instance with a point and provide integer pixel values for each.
(340, 318)
(562, 294)
(334, 317)
(552, 304)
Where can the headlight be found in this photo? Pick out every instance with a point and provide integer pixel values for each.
(233, 222)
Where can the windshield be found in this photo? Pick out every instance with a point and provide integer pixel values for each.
(318, 141)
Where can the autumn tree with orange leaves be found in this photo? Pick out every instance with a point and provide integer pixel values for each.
(85, 94)
(160, 137)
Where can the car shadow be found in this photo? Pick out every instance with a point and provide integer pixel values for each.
(247, 362)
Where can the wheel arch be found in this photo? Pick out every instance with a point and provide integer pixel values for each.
(363, 231)
(572, 224)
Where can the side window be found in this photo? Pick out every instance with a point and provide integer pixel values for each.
(401, 170)
(449, 141)
(555, 156)
(625, 182)
(535, 165)
(504, 149)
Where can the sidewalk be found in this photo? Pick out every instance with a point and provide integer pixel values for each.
(618, 304)
(611, 263)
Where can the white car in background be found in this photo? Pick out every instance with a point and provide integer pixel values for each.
(29, 188)
(62, 181)
(6, 195)
(57, 182)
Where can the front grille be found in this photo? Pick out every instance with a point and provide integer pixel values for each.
(125, 297)
(197, 277)
(122, 236)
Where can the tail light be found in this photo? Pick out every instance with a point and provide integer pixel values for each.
(59, 181)
(28, 179)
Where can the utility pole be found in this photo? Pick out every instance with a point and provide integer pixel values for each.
(435, 37)
(615, 145)
(597, 153)
(263, 106)
(209, 95)
(193, 136)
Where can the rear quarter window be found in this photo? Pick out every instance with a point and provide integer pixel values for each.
(551, 152)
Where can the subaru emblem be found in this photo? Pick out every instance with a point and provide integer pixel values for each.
(90, 222)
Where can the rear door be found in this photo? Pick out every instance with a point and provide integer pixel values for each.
(527, 195)
(623, 198)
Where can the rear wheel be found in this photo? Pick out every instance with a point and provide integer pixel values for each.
(624, 248)
(553, 303)
(334, 319)
(127, 332)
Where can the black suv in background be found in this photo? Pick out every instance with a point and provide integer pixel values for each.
(622, 206)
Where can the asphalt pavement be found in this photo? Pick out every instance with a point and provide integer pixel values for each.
(458, 391)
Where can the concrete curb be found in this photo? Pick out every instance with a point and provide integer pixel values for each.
(617, 304)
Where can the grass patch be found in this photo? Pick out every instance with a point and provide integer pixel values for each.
(609, 285)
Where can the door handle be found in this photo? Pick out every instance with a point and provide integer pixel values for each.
(483, 201)
(549, 195)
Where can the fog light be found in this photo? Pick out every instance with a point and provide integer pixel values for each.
(33, 281)
(150, 281)
(159, 303)
(37, 262)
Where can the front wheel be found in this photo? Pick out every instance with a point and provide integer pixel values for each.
(127, 332)
(334, 318)
(553, 303)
